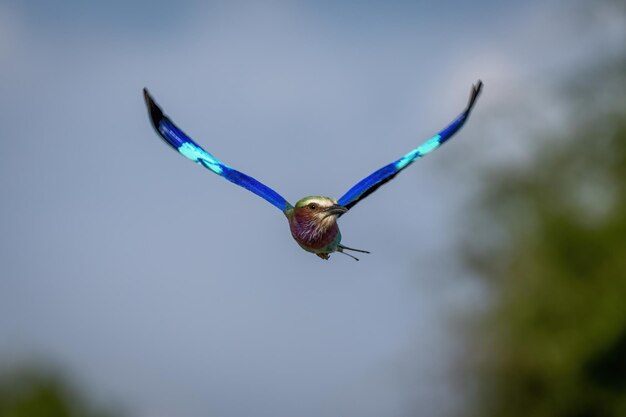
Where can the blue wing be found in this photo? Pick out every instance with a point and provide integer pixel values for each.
(178, 140)
(371, 183)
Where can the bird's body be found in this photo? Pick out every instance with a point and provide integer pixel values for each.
(313, 220)
(313, 224)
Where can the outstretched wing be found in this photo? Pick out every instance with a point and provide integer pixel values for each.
(178, 140)
(371, 183)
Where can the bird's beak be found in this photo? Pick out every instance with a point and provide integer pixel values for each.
(335, 210)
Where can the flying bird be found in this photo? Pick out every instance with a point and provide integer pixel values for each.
(313, 220)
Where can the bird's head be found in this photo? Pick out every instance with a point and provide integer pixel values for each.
(320, 210)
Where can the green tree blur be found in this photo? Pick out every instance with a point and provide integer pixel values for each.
(35, 392)
(551, 244)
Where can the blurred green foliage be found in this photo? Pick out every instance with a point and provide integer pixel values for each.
(551, 244)
(35, 392)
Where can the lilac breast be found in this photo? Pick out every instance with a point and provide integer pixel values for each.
(306, 232)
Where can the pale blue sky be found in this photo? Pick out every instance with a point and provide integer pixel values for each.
(170, 291)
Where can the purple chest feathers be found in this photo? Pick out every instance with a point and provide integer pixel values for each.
(311, 231)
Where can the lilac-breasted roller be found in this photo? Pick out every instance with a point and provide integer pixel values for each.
(313, 220)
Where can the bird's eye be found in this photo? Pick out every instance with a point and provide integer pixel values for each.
(312, 206)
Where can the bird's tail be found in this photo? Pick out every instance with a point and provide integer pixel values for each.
(341, 249)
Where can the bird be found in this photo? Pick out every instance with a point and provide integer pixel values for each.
(313, 219)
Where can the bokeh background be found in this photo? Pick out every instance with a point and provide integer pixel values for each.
(133, 283)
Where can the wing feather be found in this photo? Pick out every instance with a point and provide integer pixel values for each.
(186, 146)
(372, 182)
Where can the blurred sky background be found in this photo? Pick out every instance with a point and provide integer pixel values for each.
(165, 289)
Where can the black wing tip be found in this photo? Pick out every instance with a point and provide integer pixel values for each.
(155, 112)
(476, 89)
